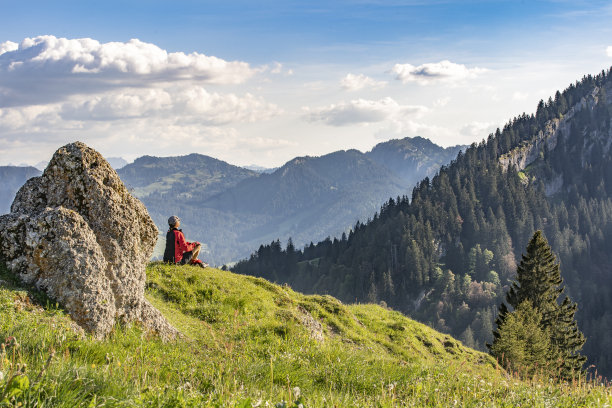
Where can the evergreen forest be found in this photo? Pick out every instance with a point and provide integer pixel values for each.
(447, 254)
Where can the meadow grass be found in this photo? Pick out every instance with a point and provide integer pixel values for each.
(248, 342)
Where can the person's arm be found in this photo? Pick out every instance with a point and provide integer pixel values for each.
(183, 244)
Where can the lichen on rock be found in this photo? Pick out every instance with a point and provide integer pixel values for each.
(77, 233)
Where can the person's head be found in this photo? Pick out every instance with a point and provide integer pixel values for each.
(174, 221)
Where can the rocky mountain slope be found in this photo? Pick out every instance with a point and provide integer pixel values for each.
(412, 159)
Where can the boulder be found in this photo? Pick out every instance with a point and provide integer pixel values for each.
(77, 233)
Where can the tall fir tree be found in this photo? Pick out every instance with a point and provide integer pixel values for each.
(539, 282)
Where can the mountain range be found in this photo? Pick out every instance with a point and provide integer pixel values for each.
(232, 210)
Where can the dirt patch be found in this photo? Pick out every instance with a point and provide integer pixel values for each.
(314, 327)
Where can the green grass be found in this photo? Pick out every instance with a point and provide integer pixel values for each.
(252, 343)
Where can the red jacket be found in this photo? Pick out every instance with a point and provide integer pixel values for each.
(175, 236)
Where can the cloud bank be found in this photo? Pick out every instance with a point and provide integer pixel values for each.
(443, 71)
(352, 82)
(130, 94)
(186, 105)
(362, 111)
(48, 69)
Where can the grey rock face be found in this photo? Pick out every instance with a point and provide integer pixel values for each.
(78, 233)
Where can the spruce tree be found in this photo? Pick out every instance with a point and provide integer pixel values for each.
(539, 282)
(523, 345)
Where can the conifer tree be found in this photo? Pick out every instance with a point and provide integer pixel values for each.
(523, 345)
(539, 282)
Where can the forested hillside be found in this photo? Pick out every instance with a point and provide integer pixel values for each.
(181, 178)
(447, 254)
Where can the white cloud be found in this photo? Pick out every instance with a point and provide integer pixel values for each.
(277, 69)
(32, 117)
(362, 111)
(123, 104)
(443, 71)
(219, 109)
(185, 104)
(8, 46)
(609, 51)
(63, 67)
(133, 95)
(352, 82)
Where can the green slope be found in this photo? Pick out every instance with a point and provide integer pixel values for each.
(251, 343)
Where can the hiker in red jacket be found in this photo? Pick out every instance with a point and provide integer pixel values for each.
(178, 250)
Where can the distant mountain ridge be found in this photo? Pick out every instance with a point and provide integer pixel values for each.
(183, 177)
(117, 162)
(11, 180)
(232, 210)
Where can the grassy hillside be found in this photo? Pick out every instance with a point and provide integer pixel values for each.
(251, 343)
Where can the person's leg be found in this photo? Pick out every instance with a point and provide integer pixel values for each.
(194, 258)
(187, 257)
(196, 252)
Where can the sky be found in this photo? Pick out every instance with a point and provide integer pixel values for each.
(259, 83)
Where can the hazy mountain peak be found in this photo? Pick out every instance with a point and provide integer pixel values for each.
(11, 179)
(412, 158)
(117, 162)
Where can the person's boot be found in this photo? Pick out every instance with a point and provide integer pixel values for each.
(198, 262)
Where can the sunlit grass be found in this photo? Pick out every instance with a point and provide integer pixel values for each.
(251, 343)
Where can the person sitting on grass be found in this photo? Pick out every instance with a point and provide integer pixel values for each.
(178, 250)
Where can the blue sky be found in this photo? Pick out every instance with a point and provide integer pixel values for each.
(262, 82)
(264, 30)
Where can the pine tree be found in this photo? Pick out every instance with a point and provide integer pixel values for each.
(539, 282)
(467, 337)
(523, 344)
